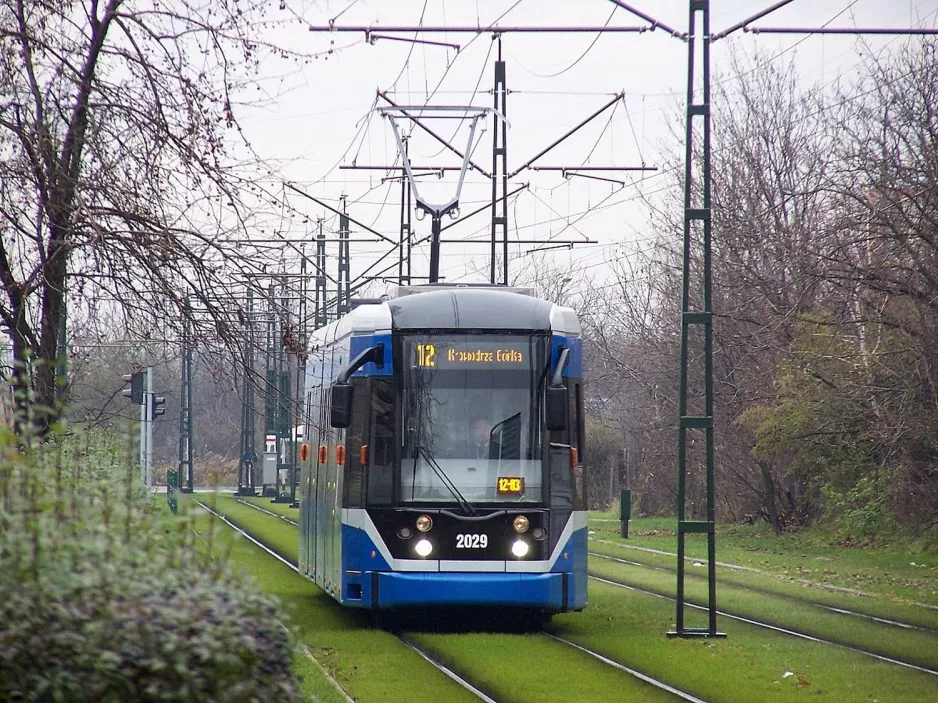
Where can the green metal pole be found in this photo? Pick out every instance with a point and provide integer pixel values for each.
(302, 325)
(701, 316)
(343, 304)
(248, 457)
(322, 318)
(185, 404)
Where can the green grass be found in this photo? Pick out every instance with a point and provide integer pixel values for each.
(369, 664)
(508, 667)
(279, 508)
(534, 668)
(313, 681)
(750, 664)
(817, 556)
(908, 645)
(771, 583)
(629, 627)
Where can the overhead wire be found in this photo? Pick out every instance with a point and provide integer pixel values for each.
(581, 56)
(602, 205)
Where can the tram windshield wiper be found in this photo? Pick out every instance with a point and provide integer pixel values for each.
(446, 481)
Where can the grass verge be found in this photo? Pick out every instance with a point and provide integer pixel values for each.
(279, 508)
(901, 570)
(750, 664)
(913, 646)
(771, 583)
(370, 665)
(509, 667)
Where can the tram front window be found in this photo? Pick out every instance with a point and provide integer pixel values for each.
(470, 411)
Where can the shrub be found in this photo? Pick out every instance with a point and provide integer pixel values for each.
(95, 607)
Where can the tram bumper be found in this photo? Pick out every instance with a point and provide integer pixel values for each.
(549, 591)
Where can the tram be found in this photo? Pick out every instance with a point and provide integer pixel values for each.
(445, 433)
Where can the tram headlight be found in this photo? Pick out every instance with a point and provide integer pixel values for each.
(520, 548)
(423, 547)
(521, 524)
(424, 523)
(539, 533)
(405, 532)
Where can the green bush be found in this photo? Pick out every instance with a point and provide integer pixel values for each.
(863, 509)
(103, 598)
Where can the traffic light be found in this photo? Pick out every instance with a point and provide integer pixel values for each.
(156, 405)
(135, 392)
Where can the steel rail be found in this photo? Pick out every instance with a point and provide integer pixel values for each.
(268, 512)
(606, 660)
(442, 669)
(793, 599)
(774, 628)
(622, 667)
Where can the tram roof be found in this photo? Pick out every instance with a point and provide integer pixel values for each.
(474, 308)
(467, 308)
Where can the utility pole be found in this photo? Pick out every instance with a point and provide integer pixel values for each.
(343, 301)
(285, 447)
(185, 403)
(322, 318)
(248, 457)
(697, 312)
(142, 460)
(271, 386)
(299, 395)
(148, 422)
(406, 231)
(500, 165)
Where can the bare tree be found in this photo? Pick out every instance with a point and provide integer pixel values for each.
(118, 180)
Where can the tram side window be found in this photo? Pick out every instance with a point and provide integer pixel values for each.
(576, 431)
(579, 421)
(355, 438)
(382, 460)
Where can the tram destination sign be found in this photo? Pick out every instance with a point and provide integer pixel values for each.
(453, 354)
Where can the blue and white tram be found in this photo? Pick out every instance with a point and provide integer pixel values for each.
(445, 431)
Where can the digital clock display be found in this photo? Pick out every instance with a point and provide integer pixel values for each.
(469, 354)
(510, 485)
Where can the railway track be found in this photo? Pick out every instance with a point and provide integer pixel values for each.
(730, 615)
(806, 601)
(769, 626)
(260, 545)
(682, 695)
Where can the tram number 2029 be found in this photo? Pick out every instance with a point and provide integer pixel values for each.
(472, 541)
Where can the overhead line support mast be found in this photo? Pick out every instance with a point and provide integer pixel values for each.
(696, 314)
(500, 166)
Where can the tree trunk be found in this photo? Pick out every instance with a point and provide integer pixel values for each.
(768, 496)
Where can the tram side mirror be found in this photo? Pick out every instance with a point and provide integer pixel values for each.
(556, 408)
(341, 416)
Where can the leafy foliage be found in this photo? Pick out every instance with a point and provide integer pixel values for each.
(94, 606)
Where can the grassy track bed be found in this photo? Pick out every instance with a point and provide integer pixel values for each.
(902, 570)
(912, 646)
(279, 508)
(750, 664)
(534, 668)
(371, 665)
(629, 627)
(508, 667)
(765, 582)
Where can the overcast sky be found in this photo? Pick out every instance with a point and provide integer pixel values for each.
(320, 117)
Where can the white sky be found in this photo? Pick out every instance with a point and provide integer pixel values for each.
(315, 123)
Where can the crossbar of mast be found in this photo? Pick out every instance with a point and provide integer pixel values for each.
(369, 30)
